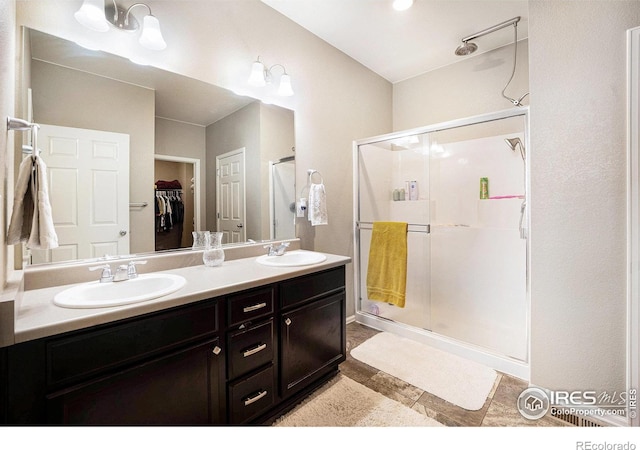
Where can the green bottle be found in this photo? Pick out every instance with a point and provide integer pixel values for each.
(484, 188)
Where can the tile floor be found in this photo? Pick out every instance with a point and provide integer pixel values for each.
(499, 409)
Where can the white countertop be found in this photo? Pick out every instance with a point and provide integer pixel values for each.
(37, 316)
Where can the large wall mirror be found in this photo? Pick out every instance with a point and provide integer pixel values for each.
(138, 158)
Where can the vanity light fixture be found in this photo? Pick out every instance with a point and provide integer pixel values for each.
(260, 76)
(94, 15)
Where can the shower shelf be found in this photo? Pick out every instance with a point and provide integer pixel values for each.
(505, 197)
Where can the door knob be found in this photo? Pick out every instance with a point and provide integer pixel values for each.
(239, 225)
(123, 233)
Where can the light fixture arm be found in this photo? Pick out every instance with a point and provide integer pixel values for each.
(126, 17)
(121, 18)
(267, 72)
(261, 76)
(278, 65)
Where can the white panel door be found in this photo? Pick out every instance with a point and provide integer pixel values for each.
(88, 174)
(231, 199)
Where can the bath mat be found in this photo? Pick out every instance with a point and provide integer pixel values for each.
(457, 380)
(344, 403)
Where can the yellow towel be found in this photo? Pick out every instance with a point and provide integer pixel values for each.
(387, 271)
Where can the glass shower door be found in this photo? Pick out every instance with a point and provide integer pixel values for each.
(477, 256)
(386, 168)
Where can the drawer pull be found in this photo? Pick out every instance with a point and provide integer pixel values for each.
(254, 350)
(216, 350)
(287, 321)
(254, 307)
(258, 396)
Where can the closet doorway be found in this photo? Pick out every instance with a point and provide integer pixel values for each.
(185, 172)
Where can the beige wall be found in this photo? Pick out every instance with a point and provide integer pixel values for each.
(468, 88)
(71, 98)
(578, 192)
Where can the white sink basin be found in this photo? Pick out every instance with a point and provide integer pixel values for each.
(101, 295)
(292, 259)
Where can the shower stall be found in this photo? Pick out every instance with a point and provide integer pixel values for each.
(462, 189)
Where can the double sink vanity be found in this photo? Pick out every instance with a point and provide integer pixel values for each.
(235, 344)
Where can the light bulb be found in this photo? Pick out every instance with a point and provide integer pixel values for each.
(402, 5)
(285, 86)
(151, 37)
(257, 75)
(91, 15)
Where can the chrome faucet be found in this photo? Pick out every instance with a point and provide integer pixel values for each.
(124, 272)
(106, 276)
(277, 250)
(131, 269)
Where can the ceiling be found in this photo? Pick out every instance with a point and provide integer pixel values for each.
(399, 45)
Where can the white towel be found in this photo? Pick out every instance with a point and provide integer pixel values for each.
(31, 220)
(317, 205)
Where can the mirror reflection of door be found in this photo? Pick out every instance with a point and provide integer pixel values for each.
(283, 198)
(182, 171)
(231, 202)
(88, 172)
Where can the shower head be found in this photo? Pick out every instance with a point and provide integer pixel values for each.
(515, 142)
(466, 48)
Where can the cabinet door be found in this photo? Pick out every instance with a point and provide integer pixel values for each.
(180, 388)
(312, 342)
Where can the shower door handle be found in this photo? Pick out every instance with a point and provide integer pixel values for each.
(521, 226)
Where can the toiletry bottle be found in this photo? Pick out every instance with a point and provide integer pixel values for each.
(413, 190)
(484, 188)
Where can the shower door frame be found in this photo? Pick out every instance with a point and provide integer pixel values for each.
(470, 351)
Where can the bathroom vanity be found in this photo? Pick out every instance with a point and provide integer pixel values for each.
(239, 344)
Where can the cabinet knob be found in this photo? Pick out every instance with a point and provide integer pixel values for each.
(216, 350)
(287, 321)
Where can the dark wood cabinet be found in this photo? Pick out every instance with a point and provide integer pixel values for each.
(238, 359)
(174, 389)
(312, 342)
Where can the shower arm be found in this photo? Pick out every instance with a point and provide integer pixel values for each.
(484, 32)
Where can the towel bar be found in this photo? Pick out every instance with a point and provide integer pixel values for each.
(14, 124)
(412, 227)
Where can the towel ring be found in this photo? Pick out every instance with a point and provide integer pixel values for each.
(311, 172)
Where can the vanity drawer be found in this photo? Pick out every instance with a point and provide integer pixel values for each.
(80, 354)
(249, 349)
(252, 396)
(250, 305)
(309, 287)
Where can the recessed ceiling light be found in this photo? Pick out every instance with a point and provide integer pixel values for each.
(401, 5)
